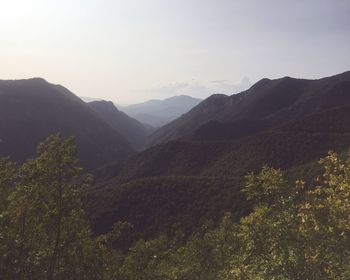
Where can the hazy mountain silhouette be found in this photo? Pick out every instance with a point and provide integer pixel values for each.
(32, 109)
(132, 130)
(159, 112)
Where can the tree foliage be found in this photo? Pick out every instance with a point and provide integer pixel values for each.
(44, 232)
(295, 231)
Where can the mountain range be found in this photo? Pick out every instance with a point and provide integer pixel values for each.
(196, 168)
(32, 109)
(160, 112)
(265, 104)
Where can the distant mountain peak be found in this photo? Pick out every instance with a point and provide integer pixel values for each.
(181, 96)
(260, 83)
(39, 79)
(216, 96)
(157, 112)
(29, 80)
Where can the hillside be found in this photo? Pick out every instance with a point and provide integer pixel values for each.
(180, 192)
(222, 153)
(30, 110)
(160, 112)
(132, 130)
(273, 102)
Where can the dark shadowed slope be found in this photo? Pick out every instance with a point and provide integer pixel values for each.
(132, 130)
(265, 104)
(159, 112)
(294, 143)
(171, 177)
(178, 185)
(32, 109)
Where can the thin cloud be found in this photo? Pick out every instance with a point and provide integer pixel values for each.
(228, 87)
(219, 81)
(198, 89)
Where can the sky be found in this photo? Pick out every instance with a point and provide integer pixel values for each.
(129, 51)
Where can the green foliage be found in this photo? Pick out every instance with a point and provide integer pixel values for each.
(44, 232)
(143, 259)
(293, 233)
(267, 186)
(7, 179)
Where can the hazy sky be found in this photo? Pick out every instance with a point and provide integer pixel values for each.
(132, 50)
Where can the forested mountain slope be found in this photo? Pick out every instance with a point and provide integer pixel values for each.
(271, 102)
(131, 129)
(30, 110)
(150, 182)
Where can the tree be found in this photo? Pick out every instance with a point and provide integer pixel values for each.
(46, 231)
(294, 232)
(7, 181)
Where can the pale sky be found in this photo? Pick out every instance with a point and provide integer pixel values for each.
(133, 50)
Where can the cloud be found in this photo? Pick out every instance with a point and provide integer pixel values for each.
(228, 87)
(219, 81)
(198, 89)
(193, 88)
(171, 89)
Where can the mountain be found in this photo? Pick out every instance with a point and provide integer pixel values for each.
(159, 112)
(32, 109)
(180, 184)
(265, 104)
(131, 129)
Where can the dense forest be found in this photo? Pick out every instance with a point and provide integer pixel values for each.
(187, 182)
(295, 229)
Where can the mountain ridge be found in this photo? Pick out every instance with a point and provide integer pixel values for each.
(131, 129)
(293, 144)
(32, 109)
(158, 112)
(272, 100)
